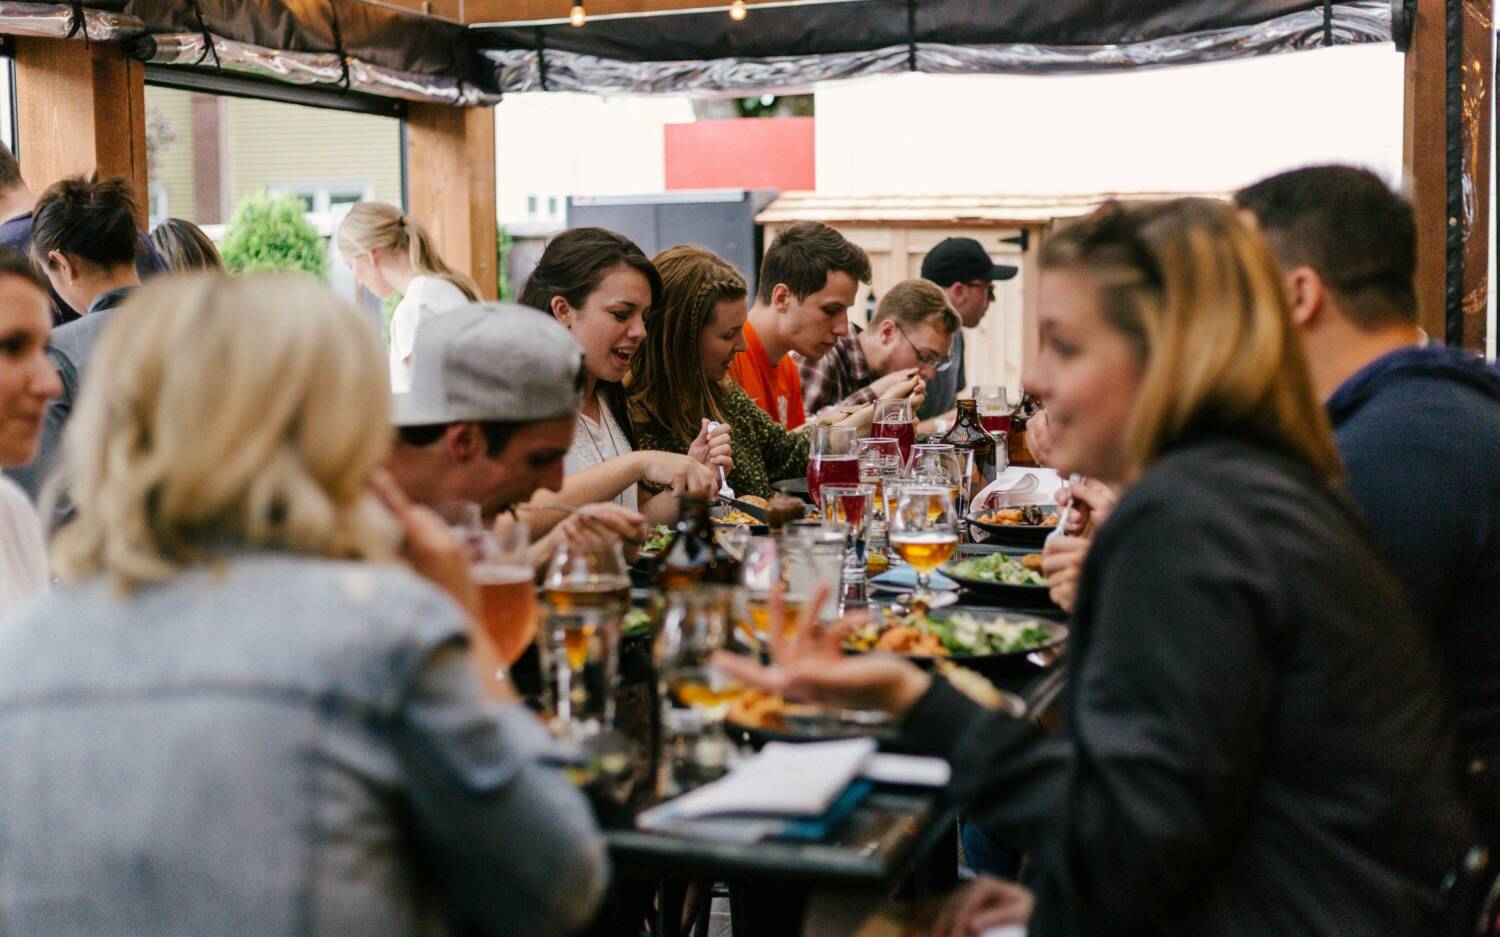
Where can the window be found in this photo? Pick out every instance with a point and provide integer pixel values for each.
(551, 206)
(531, 206)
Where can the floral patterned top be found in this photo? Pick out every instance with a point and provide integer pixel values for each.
(763, 450)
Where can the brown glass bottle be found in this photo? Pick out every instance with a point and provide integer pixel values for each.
(969, 437)
(694, 556)
(1019, 452)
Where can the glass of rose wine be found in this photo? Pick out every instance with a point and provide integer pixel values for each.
(924, 531)
(895, 419)
(831, 459)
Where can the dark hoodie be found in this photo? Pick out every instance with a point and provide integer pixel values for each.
(1419, 430)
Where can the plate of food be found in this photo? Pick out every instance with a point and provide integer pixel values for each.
(795, 487)
(1004, 577)
(1025, 526)
(986, 640)
(756, 717)
(723, 515)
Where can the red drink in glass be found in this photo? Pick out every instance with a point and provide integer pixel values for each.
(995, 422)
(830, 470)
(853, 507)
(904, 433)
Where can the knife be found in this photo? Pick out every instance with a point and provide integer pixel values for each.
(750, 509)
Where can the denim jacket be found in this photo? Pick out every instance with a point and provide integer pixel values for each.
(276, 745)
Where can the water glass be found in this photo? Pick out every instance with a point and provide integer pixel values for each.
(695, 696)
(814, 558)
(586, 592)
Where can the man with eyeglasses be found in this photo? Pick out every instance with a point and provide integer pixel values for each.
(904, 347)
(967, 276)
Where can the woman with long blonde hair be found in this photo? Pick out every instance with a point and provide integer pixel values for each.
(391, 252)
(238, 698)
(680, 380)
(1256, 741)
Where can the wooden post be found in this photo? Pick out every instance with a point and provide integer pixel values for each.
(81, 108)
(450, 172)
(1452, 277)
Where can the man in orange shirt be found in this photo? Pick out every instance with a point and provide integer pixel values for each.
(807, 283)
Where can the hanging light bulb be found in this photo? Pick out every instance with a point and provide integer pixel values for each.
(578, 17)
(737, 10)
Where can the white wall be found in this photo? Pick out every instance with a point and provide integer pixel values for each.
(552, 145)
(1196, 128)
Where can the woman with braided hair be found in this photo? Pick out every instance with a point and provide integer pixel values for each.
(390, 252)
(679, 380)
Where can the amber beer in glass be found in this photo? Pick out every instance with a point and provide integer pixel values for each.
(503, 575)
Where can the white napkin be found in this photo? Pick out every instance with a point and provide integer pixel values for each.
(1018, 486)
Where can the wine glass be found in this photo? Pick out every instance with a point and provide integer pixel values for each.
(847, 510)
(831, 459)
(895, 419)
(586, 590)
(695, 696)
(760, 572)
(939, 464)
(924, 531)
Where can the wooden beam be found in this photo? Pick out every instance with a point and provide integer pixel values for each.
(450, 156)
(80, 108)
(1425, 161)
(1477, 96)
(512, 11)
(443, 9)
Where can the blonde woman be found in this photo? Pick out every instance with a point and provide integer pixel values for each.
(238, 713)
(1256, 741)
(391, 252)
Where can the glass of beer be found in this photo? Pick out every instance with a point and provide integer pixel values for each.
(924, 530)
(507, 589)
(587, 592)
(695, 696)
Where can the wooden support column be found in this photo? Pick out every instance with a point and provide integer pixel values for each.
(81, 108)
(1447, 160)
(450, 173)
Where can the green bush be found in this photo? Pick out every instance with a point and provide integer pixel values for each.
(272, 234)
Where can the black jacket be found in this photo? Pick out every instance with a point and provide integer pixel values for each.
(1255, 738)
(1419, 430)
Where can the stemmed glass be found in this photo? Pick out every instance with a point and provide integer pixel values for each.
(994, 408)
(587, 591)
(847, 509)
(924, 531)
(895, 419)
(939, 464)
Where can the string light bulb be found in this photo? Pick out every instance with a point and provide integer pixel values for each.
(737, 10)
(578, 17)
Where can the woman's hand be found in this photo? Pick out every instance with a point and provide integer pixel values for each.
(429, 546)
(811, 665)
(1062, 564)
(678, 474)
(1039, 438)
(1093, 502)
(713, 446)
(596, 526)
(982, 905)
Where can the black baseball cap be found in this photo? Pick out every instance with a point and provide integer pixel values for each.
(957, 259)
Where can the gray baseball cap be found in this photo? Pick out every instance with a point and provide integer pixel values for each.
(491, 361)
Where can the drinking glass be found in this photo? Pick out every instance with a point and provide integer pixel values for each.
(847, 510)
(761, 570)
(501, 569)
(924, 530)
(695, 696)
(895, 419)
(586, 590)
(939, 464)
(879, 462)
(994, 408)
(466, 522)
(814, 557)
(831, 459)
(734, 539)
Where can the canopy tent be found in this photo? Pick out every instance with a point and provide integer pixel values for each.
(789, 46)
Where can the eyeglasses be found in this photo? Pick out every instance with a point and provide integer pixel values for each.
(986, 285)
(927, 359)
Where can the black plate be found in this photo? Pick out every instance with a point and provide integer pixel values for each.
(811, 730)
(1019, 535)
(1029, 597)
(794, 487)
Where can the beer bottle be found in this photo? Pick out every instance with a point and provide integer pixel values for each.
(694, 556)
(974, 445)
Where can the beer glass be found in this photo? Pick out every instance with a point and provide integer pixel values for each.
(695, 696)
(895, 419)
(924, 530)
(831, 459)
(587, 591)
(502, 573)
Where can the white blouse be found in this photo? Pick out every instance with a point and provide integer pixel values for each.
(23, 550)
(424, 297)
(595, 443)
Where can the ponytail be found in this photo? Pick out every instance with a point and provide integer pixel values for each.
(373, 225)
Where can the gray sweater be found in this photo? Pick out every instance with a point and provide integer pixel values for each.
(278, 746)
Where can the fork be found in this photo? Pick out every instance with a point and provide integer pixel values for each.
(725, 492)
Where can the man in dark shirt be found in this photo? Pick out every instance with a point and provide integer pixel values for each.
(1418, 425)
(16, 203)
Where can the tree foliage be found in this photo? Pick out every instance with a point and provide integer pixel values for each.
(272, 234)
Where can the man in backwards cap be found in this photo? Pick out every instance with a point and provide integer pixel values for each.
(967, 275)
(494, 398)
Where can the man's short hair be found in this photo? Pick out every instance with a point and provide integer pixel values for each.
(10, 170)
(497, 434)
(915, 301)
(1346, 224)
(804, 255)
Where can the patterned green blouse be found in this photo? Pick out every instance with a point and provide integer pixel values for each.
(763, 450)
